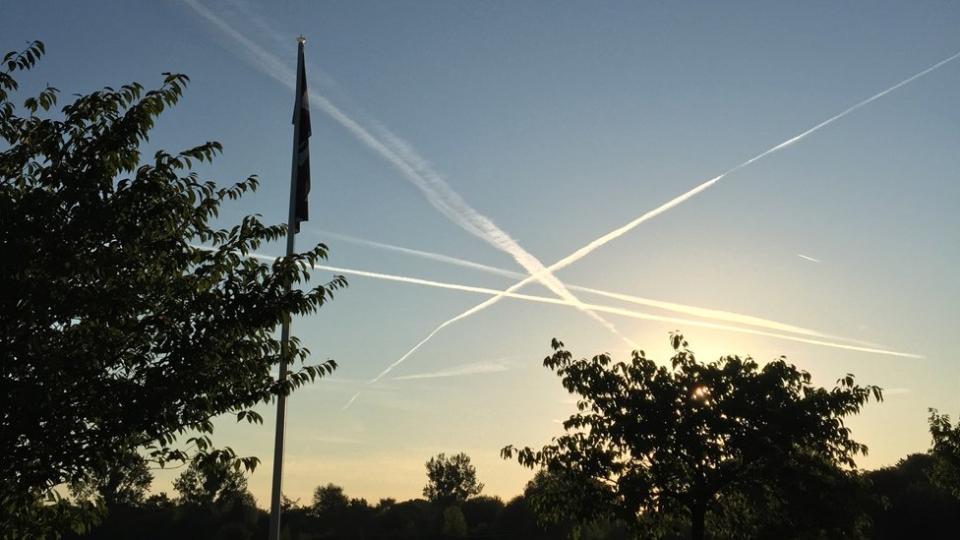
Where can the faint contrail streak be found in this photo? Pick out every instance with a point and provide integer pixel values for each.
(351, 400)
(422, 254)
(459, 371)
(414, 168)
(705, 313)
(616, 233)
(807, 257)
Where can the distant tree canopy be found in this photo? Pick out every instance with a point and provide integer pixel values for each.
(210, 480)
(118, 332)
(657, 446)
(329, 499)
(913, 505)
(451, 479)
(810, 501)
(123, 482)
(946, 452)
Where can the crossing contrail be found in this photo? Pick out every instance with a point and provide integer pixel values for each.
(706, 313)
(412, 166)
(633, 314)
(680, 199)
(439, 257)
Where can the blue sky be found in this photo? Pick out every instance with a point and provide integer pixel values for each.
(560, 123)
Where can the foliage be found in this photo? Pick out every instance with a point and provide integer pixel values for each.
(451, 479)
(454, 524)
(328, 499)
(118, 331)
(482, 513)
(124, 482)
(654, 444)
(208, 480)
(913, 505)
(812, 498)
(946, 452)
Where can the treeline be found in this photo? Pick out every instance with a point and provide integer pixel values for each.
(213, 502)
(902, 501)
(478, 517)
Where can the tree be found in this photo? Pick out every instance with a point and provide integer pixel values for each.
(454, 524)
(913, 504)
(811, 499)
(481, 513)
(329, 500)
(653, 444)
(946, 452)
(124, 482)
(207, 481)
(451, 480)
(117, 329)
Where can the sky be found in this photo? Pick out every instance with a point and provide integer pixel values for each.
(510, 135)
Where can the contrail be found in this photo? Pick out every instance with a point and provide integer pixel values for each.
(351, 400)
(422, 254)
(475, 368)
(705, 313)
(412, 166)
(807, 258)
(593, 307)
(556, 301)
(616, 233)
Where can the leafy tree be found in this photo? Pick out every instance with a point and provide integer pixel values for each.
(329, 499)
(946, 452)
(482, 513)
(812, 499)
(124, 482)
(117, 330)
(209, 480)
(451, 479)
(558, 498)
(653, 444)
(913, 504)
(385, 503)
(288, 505)
(454, 524)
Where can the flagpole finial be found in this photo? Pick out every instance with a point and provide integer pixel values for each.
(301, 40)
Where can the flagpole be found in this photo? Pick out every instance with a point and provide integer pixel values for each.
(292, 225)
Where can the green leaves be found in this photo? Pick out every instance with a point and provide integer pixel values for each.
(119, 331)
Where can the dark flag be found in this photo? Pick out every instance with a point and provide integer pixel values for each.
(301, 122)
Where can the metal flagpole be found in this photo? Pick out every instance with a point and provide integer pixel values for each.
(292, 225)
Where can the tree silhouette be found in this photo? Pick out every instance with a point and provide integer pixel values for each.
(451, 480)
(209, 480)
(913, 505)
(654, 444)
(328, 500)
(123, 482)
(454, 524)
(118, 332)
(946, 452)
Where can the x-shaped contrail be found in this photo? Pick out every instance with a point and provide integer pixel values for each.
(680, 199)
(633, 314)
(441, 196)
(686, 309)
(412, 166)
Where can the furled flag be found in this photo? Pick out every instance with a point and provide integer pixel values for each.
(301, 122)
